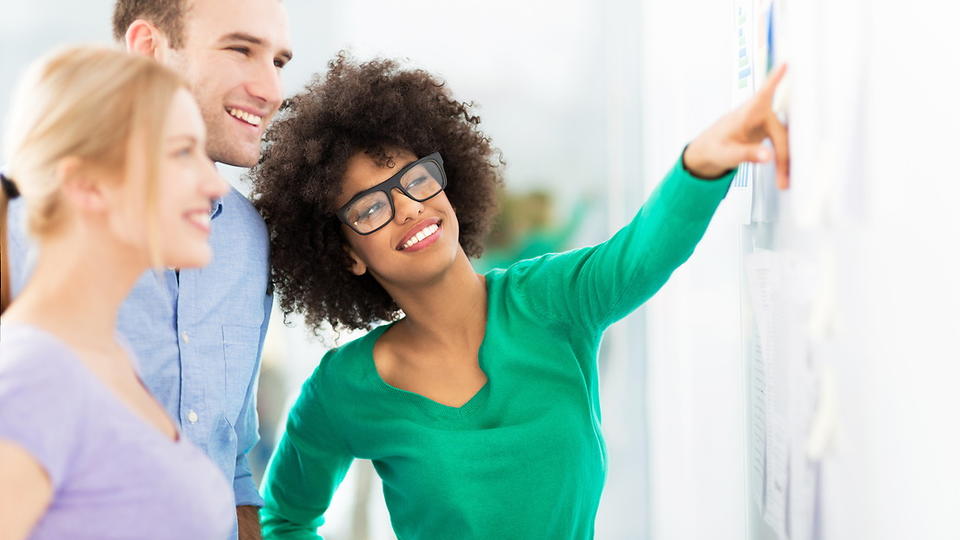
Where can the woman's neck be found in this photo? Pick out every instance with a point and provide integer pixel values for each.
(449, 312)
(76, 289)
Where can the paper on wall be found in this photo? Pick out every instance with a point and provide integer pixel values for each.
(764, 281)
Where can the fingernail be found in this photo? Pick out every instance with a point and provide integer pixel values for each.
(763, 154)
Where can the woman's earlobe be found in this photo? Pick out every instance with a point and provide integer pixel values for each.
(83, 192)
(357, 266)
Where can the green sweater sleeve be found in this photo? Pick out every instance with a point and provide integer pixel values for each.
(591, 288)
(307, 467)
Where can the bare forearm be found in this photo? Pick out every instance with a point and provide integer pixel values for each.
(248, 522)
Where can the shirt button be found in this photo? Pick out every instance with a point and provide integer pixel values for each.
(185, 336)
(192, 416)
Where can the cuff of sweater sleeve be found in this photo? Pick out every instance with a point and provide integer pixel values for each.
(683, 154)
(709, 187)
(691, 197)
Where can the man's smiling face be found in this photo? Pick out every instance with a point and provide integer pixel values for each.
(232, 54)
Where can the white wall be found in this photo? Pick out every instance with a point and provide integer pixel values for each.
(695, 384)
(893, 470)
(876, 86)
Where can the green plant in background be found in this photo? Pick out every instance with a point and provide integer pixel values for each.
(525, 228)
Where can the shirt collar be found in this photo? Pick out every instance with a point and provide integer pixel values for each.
(216, 208)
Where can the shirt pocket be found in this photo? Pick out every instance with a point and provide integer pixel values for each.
(240, 344)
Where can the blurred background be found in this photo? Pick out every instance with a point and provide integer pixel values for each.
(591, 103)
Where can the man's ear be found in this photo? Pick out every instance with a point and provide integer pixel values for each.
(358, 267)
(144, 38)
(79, 189)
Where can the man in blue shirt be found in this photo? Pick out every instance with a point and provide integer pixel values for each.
(199, 333)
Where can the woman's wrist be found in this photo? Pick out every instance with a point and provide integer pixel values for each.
(699, 167)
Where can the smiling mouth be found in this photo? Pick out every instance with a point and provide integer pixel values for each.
(424, 233)
(246, 117)
(199, 218)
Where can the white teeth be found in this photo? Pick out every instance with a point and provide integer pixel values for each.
(427, 231)
(245, 116)
(199, 218)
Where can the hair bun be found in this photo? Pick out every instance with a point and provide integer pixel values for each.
(9, 188)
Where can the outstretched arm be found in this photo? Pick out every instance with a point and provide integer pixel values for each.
(588, 289)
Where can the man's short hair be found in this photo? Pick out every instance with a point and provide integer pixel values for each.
(167, 15)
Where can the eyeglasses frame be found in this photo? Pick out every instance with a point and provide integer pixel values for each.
(388, 185)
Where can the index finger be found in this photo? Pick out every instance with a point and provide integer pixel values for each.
(778, 135)
(770, 85)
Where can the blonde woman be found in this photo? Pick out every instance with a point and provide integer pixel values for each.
(107, 150)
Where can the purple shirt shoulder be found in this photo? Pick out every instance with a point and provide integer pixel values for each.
(113, 474)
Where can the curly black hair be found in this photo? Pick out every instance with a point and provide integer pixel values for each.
(372, 107)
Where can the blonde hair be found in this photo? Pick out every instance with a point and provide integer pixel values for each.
(86, 102)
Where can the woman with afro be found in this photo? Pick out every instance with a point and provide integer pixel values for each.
(476, 398)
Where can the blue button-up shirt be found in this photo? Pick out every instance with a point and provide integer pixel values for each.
(198, 335)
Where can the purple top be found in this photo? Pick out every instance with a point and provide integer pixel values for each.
(114, 475)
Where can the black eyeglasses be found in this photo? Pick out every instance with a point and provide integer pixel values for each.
(371, 209)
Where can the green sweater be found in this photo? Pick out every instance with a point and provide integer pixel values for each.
(525, 457)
